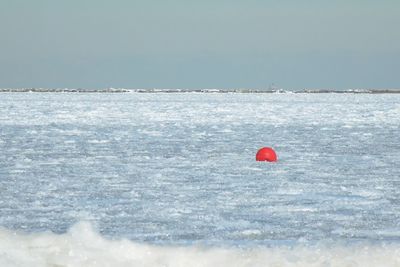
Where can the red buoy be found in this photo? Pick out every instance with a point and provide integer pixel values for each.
(266, 154)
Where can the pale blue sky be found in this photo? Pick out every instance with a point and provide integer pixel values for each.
(200, 44)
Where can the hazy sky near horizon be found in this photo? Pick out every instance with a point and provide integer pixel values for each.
(200, 44)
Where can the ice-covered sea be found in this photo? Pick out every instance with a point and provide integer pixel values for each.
(138, 179)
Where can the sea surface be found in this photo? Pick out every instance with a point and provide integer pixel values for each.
(156, 179)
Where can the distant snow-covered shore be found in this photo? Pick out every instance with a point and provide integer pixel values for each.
(204, 90)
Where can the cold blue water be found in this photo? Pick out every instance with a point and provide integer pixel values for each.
(179, 170)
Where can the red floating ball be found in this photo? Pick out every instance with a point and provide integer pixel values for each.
(266, 154)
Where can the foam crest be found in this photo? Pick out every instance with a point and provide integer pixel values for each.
(82, 246)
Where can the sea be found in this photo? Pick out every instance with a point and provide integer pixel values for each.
(170, 179)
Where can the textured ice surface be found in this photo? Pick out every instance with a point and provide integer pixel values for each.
(180, 168)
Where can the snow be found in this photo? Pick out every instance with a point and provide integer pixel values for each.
(179, 169)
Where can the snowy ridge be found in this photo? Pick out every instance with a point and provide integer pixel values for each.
(83, 246)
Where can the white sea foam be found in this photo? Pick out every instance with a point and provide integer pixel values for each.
(82, 246)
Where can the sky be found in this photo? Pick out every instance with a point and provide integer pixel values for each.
(291, 44)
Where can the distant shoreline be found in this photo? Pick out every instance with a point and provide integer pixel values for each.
(256, 91)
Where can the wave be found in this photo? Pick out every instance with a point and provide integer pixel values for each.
(83, 246)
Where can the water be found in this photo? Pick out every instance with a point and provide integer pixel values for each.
(136, 179)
